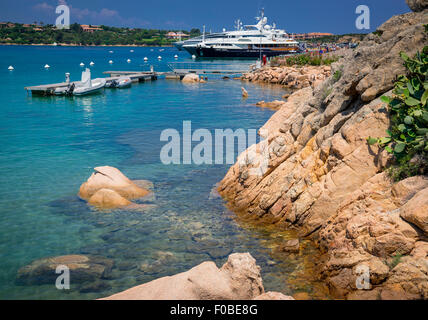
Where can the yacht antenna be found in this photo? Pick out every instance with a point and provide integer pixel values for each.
(203, 34)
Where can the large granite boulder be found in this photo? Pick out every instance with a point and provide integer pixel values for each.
(417, 5)
(238, 278)
(416, 210)
(83, 268)
(190, 78)
(108, 188)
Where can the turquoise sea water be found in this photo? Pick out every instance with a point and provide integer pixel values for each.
(49, 146)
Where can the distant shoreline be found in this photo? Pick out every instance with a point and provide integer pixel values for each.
(89, 45)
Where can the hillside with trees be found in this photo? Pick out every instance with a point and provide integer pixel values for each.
(16, 33)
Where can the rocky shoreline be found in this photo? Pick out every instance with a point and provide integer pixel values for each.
(290, 77)
(325, 181)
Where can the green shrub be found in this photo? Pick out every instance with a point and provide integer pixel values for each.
(407, 136)
(338, 74)
(304, 60)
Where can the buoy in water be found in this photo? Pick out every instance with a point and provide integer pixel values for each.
(129, 60)
(10, 68)
(82, 64)
(47, 66)
(111, 61)
(146, 59)
(92, 63)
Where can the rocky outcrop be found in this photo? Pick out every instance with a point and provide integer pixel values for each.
(417, 5)
(109, 188)
(270, 295)
(83, 268)
(290, 77)
(238, 278)
(323, 179)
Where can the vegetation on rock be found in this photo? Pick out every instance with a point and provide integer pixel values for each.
(304, 60)
(407, 137)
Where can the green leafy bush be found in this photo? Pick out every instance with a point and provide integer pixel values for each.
(303, 60)
(407, 137)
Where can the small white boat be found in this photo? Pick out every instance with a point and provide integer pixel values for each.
(88, 86)
(110, 51)
(11, 68)
(175, 57)
(160, 50)
(124, 82)
(61, 91)
(193, 57)
(111, 62)
(47, 66)
(82, 64)
(131, 50)
(146, 59)
(91, 63)
(129, 60)
(160, 58)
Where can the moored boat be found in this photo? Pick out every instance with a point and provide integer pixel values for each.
(249, 41)
(88, 86)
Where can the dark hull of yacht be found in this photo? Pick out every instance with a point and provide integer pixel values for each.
(237, 53)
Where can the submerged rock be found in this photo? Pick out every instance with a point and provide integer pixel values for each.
(292, 245)
(83, 268)
(106, 198)
(238, 278)
(274, 105)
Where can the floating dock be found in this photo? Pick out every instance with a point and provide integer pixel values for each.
(136, 76)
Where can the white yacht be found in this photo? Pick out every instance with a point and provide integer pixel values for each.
(249, 41)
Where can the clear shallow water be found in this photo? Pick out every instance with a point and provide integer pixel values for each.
(49, 146)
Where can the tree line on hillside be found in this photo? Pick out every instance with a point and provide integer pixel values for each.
(48, 34)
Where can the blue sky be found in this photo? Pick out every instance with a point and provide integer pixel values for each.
(335, 16)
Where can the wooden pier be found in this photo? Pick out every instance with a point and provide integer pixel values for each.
(136, 76)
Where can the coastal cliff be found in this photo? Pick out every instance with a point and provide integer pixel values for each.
(324, 180)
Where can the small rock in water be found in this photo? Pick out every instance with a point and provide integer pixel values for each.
(244, 92)
(214, 193)
(83, 268)
(96, 286)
